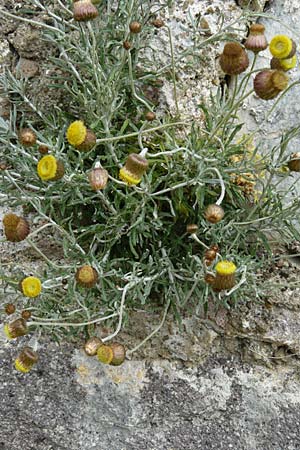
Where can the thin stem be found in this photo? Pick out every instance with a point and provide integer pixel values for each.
(173, 70)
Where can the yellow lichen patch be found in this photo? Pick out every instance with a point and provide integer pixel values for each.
(31, 286)
(127, 177)
(47, 167)
(76, 133)
(281, 46)
(225, 268)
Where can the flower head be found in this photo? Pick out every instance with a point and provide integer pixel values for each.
(234, 60)
(225, 275)
(16, 228)
(31, 286)
(225, 267)
(135, 166)
(86, 276)
(50, 169)
(76, 133)
(84, 10)
(15, 329)
(105, 354)
(256, 41)
(26, 360)
(269, 83)
(281, 46)
(284, 64)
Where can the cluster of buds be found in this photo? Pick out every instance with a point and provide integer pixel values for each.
(210, 254)
(113, 354)
(84, 10)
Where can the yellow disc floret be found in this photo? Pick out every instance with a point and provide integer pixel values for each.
(127, 177)
(31, 286)
(47, 167)
(20, 366)
(288, 63)
(225, 268)
(76, 133)
(281, 46)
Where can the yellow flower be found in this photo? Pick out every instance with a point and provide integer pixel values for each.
(76, 133)
(47, 167)
(20, 367)
(31, 286)
(127, 177)
(281, 46)
(225, 268)
(288, 63)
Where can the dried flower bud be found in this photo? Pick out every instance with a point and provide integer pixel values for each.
(84, 10)
(105, 354)
(158, 23)
(27, 137)
(86, 276)
(136, 165)
(88, 143)
(269, 83)
(50, 169)
(15, 329)
(26, 314)
(210, 254)
(294, 162)
(225, 275)
(256, 41)
(16, 228)
(209, 278)
(234, 59)
(192, 228)
(135, 27)
(119, 354)
(127, 45)
(281, 46)
(98, 178)
(214, 213)
(150, 116)
(43, 149)
(10, 308)
(91, 346)
(26, 360)
(284, 64)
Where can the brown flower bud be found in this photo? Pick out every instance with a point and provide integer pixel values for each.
(210, 254)
(105, 354)
(91, 346)
(86, 276)
(16, 228)
(26, 360)
(88, 143)
(43, 149)
(209, 279)
(127, 45)
(84, 10)
(234, 59)
(10, 308)
(15, 329)
(192, 228)
(135, 27)
(98, 178)
(256, 41)
(158, 23)
(150, 116)
(27, 137)
(269, 83)
(214, 213)
(294, 162)
(26, 314)
(119, 354)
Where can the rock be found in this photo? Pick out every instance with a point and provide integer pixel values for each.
(27, 68)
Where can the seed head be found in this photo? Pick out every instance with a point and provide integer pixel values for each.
(135, 27)
(294, 162)
(26, 360)
(84, 10)
(10, 308)
(27, 137)
(16, 228)
(150, 116)
(158, 23)
(86, 276)
(214, 213)
(234, 59)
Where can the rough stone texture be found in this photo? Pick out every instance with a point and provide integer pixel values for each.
(74, 403)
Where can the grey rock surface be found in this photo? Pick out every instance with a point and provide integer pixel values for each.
(71, 402)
